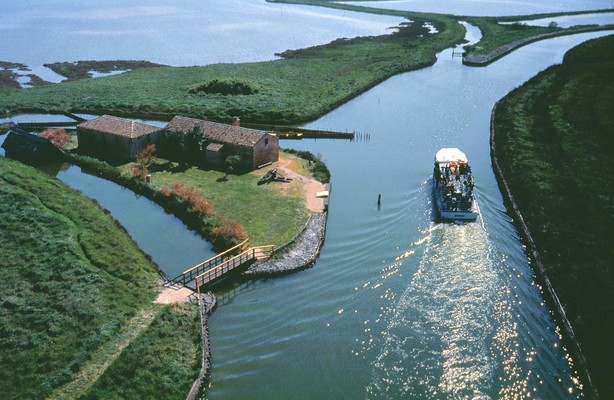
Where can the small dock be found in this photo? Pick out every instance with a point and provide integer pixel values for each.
(288, 132)
(219, 266)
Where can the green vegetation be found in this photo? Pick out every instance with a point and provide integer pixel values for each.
(304, 85)
(225, 87)
(499, 39)
(169, 352)
(83, 69)
(71, 280)
(269, 214)
(554, 137)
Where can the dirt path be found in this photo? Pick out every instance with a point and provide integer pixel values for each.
(310, 188)
(105, 355)
(173, 294)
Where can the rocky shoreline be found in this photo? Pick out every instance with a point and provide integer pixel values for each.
(301, 253)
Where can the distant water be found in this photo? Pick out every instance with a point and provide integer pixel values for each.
(179, 33)
(398, 305)
(490, 7)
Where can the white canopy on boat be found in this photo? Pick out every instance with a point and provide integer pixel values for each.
(448, 154)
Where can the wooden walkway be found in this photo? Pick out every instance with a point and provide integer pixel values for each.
(217, 267)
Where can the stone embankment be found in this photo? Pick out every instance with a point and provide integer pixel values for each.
(303, 252)
(485, 59)
(206, 306)
(300, 253)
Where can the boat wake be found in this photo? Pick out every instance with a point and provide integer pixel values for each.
(438, 342)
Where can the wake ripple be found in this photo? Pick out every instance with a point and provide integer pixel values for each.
(437, 342)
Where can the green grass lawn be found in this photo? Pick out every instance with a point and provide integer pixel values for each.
(554, 138)
(270, 214)
(70, 279)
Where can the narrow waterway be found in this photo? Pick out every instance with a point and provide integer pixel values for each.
(169, 242)
(398, 305)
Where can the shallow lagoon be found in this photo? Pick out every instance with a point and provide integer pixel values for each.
(189, 32)
(489, 7)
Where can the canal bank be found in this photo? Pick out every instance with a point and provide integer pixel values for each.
(568, 335)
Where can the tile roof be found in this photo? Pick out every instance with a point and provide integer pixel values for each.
(118, 126)
(216, 132)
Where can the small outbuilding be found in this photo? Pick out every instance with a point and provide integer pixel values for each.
(219, 141)
(113, 138)
(29, 147)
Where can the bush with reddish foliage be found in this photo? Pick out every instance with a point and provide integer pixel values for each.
(202, 207)
(140, 172)
(166, 191)
(147, 156)
(58, 137)
(228, 232)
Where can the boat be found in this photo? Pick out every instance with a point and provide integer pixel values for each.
(453, 186)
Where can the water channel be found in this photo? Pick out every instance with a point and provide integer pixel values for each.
(398, 305)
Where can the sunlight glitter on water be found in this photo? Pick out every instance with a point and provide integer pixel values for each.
(454, 323)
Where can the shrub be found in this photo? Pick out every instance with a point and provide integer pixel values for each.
(224, 87)
(58, 137)
(228, 232)
(147, 156)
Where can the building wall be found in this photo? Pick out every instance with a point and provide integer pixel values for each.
(266, 150)
(112, 147)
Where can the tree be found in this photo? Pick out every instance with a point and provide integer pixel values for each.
(147, 156)
(232, 163)
(144, 159)
(58, 137)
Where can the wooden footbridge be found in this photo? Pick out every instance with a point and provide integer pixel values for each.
(219, 266)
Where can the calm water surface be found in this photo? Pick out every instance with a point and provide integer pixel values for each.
(490, 7)
(397, 306)
(180, 33)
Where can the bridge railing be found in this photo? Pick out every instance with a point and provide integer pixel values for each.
(251, 253)
(227, 266)
(261, 252)
(191, 273)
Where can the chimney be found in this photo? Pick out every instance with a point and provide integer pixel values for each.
(236, 121)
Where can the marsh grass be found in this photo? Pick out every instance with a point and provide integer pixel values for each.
(302, 86)
(554, 138)
(75, 288)
(70, 278)
(162, 362)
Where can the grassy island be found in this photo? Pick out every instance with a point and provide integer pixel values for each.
(300, 87)
(554, 137)
(74, 291)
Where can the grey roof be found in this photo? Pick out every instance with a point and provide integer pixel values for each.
(118, 126)
(216, 132)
